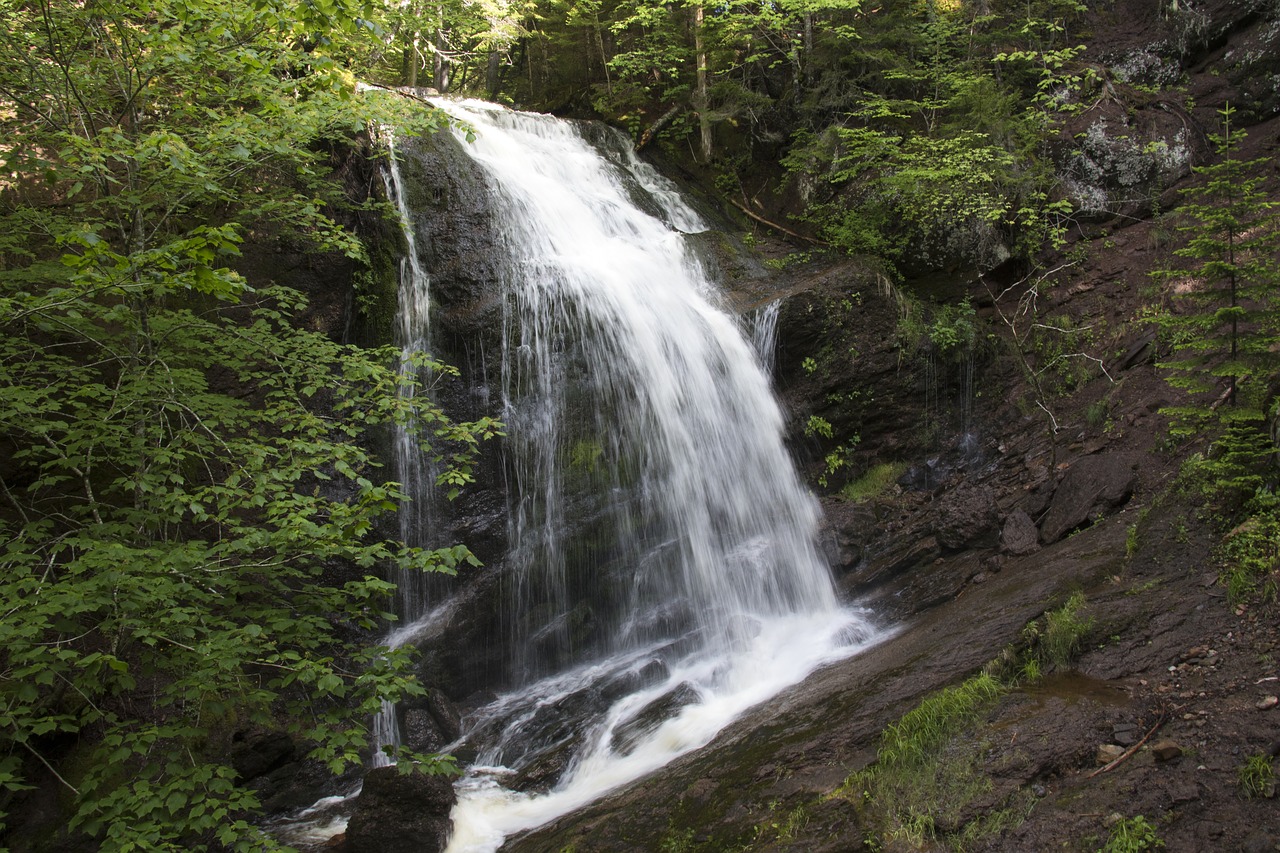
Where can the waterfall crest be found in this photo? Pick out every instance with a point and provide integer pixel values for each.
(662, 575)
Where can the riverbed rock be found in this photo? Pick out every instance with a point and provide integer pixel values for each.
(420, 731)
(398, 813)
(1091, 487)
(431, 722)
(653, 715)
(882, 568)
(542, 769)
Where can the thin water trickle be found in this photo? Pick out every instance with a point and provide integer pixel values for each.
(662, 575)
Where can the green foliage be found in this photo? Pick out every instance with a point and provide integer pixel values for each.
(676, 841)
(953, 331)
(876, 481)
(1132, 835)
(1256, 777)
(939, 157)
(837, 459)
(1065, 630)
(1062, 350)
(1250, 554)
(1057, 639)
(1132, 541)
(173, 537)
(1221, 317)
(189, 512)
(447, 44)
(927, 775)
(914, 738)
(818, 426)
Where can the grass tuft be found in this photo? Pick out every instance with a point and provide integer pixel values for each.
(873, 483)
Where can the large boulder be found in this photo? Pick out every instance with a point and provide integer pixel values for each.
(401, 813)
(1019, 535)
(967, 516)
(1091, 488)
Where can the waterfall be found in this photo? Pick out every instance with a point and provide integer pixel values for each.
(764, 333)
(662, 575)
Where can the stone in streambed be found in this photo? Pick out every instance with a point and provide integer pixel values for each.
(401, 813)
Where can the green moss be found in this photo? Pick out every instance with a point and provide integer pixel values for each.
(873, 483)
(585, 455)
(377, 295)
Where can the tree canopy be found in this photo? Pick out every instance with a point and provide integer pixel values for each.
(189, 503)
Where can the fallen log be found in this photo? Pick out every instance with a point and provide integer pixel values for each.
(663, 120)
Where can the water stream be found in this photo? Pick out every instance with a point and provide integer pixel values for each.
(662, 575)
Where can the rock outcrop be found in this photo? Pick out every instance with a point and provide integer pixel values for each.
(1091, 487)
(401, 813)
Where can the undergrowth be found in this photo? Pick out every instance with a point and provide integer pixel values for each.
(929, 770)
(873, 483)
(1251, 553)
(1256, 776)
(1132, 835)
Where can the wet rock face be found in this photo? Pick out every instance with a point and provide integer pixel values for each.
(455, 237)
(257, 753)
(838, 360)
(401, 813)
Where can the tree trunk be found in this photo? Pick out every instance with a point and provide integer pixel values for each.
(807, 58)
(700, 97)
(439, 61)
(604, 60)
(410, 75)
(492, 74)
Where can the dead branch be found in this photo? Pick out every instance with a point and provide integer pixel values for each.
(1129, 752)
(776, 226)
(663, 120)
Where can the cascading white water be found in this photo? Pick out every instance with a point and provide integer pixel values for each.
(411, 466)
(764, 333)
(663, 572)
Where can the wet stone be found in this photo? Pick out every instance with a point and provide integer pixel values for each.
(1259, 841)
(540, 772)
(653, 715)
(1125, 734)
(401, 813)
